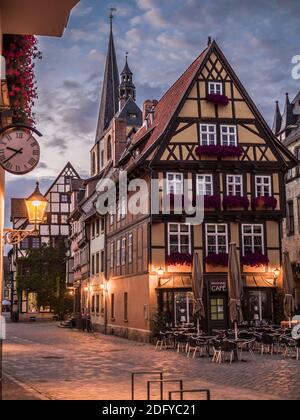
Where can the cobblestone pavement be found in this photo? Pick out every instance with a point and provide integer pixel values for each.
(61, 364)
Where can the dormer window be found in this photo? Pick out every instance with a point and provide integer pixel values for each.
(215, 88)
(133, 116)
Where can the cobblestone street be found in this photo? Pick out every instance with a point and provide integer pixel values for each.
(52, 363)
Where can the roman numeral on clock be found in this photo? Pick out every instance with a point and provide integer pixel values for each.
(36, 153)
(20, 135)
(18, 169)
(32, 162)
(8, 166)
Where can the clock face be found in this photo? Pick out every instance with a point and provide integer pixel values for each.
(19, 151)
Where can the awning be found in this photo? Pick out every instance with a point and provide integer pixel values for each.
(259, 281)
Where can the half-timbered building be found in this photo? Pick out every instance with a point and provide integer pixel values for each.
(52, 231)
(205, 129)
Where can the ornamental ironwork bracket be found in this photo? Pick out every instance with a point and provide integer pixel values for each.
(14, 237)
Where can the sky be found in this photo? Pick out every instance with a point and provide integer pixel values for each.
(258, 37)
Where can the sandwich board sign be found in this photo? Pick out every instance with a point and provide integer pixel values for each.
(2, 328)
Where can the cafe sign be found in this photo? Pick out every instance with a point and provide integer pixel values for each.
(218, 286)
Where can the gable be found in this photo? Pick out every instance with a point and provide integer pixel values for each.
(181, 139)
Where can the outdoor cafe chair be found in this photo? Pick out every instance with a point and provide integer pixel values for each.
(182, 342)
(291, 347)
(248, 345)
(196, 345)
(227, 348)
(217, 351)
(267, 344)
(161, 341)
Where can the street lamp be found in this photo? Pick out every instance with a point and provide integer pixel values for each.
(36, 205)
(276, 275)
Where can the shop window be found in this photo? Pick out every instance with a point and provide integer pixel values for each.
(32, 303)
(183, 309)
(217, 309)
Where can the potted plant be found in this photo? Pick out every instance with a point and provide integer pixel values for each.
(264, 203)
(217, 259)
(255, 260)
(218, 99)
(179, 258)
(233, 202)
(219, 151)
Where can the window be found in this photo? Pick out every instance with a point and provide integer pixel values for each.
(205, 185)
(130, 248)
(112, 255)
(208, 134)
(253, 239)
(93, 265)
(54, 219)
(290, 218)
(25, 243)
(102, 262)
(228, 135)
(215, 88)
(97, 263)
(64, 198)
(118, 212)
(64, 219)
(93, 303)
(263, 186)
(102, 225)
(179, 238)
(109, 151)
(112, 309)
(123, 208)
(217, 309)
(35, 243)
(235, 185)
(111, 218)
(93, 230)
(174, 183)
(102, 159)
(216, 239)
(297, 154)
(123, 252)
(97, 223)
(118, 253)
(97, 304)
(125, 307)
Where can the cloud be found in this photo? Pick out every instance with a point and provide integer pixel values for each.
(152, 15)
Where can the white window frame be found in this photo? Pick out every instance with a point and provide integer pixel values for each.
(179, 234)
(118, 252)
(213, 88)
(216, 234)
(205, 182)
(253, 235)
(228, 134)
(112, 255)
(211, 135)
(173, 182)
(123, 252)
(130, 248)
(123, 208)
(260, 182)
(237, 182)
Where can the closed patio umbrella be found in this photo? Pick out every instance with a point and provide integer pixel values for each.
(288, 286)
(198, 286)
(235, 286)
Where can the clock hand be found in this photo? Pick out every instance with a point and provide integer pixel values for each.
(18, 151)
(15, 150)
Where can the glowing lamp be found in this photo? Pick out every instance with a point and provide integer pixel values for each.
(160, 272)
(36, 206)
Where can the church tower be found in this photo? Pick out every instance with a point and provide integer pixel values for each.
(110, 89)
(127, 88)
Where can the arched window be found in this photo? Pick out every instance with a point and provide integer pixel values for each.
(109, 148)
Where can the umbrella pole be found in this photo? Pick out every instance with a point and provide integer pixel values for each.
(236, 330)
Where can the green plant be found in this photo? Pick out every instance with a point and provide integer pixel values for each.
(158, 323)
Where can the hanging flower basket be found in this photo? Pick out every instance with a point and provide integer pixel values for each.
(20, 51)
(255, 260)
(218, 99)
(264, 203)
(212, 202)
(217, 260)
(220, 151)
(179, 258)
(233, 201)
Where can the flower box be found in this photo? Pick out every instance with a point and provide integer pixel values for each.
(255, 260)
(218, 99)
(179, 258)
(264, 203)
(212, 202)
(217, 260)
(219, 151)
(233, 202)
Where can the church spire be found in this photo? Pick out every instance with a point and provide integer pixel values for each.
(109, 99)
(277, 120)
(127, 88)
(288, 116)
